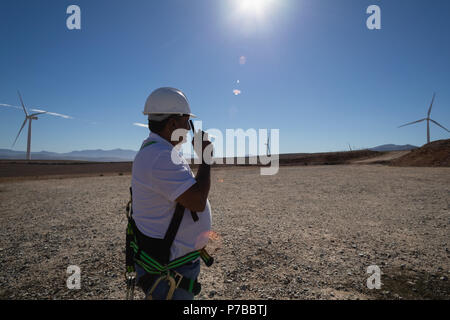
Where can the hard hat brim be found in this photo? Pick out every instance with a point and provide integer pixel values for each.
(182, 114)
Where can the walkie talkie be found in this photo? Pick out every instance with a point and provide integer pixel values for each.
(192, 126)
(193, 214)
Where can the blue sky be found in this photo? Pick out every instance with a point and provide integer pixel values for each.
(312, 70)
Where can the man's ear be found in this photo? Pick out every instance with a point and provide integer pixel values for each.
(172, 123)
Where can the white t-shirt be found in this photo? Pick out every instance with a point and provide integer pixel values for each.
(156, 182)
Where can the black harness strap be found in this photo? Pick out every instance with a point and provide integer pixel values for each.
(174, 225)
(194, 216)
(129, 254)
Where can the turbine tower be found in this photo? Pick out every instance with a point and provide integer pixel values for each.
(268, 145)
(29, 118)
(428, 121)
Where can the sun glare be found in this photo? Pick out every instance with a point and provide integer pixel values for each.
(250, 16)
(254, 7)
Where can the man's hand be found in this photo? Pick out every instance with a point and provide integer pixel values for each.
(201, 143)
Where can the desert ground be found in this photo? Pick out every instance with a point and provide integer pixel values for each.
(309, 232)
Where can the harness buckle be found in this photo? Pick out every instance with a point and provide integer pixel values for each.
(174, 278)
(150, 293)
(177, 277)
(130, 278)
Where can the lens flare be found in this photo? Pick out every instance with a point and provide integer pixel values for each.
(215, 241)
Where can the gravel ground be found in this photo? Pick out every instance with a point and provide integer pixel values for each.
(306, 233)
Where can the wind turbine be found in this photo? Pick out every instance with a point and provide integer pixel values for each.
(268, 145)
(428, 121)
(29, 118)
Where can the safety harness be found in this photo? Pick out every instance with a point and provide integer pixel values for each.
(153, 255)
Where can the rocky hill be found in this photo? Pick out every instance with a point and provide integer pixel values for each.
(433, 154)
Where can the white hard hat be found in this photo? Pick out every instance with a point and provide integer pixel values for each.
(164, 102)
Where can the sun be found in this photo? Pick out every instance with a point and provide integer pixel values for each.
(254, 7)
(249, 16)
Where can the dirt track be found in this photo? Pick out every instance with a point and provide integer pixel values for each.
(384, 158)
(307, 233)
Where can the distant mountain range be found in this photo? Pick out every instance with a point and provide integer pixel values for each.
(126, 155)
(86, 155)
(393, 147)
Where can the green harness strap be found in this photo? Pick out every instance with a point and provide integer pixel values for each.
(147, 144)
(152, 266)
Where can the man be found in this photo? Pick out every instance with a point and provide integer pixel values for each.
(162, 182)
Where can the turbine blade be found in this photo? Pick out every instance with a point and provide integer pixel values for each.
(140, 125)
(21, 101)
(412, 122)
(429, 110)
(8, 105)
(23, 125)
(37, 113)
(53, 113)
(435, 122)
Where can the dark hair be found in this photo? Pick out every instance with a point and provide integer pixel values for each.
(158, 126)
